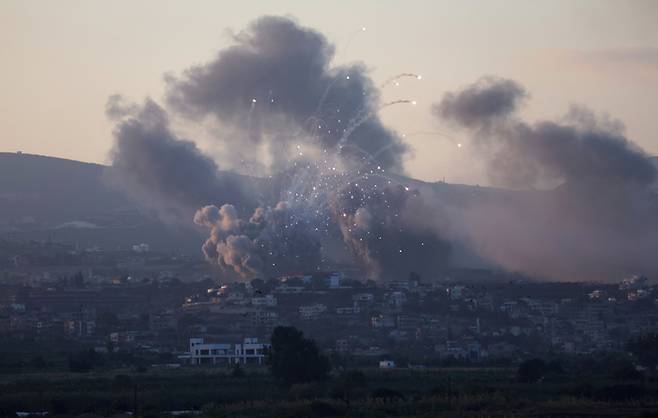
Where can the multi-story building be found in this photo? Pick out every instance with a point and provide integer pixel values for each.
(250, 351)
(309, 312)
(267, 301)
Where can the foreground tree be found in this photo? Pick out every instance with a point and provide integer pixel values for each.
(531, 371)
(295, 359)
(347, 383)
(645, 349)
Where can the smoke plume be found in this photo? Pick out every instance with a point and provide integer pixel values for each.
(596, 216)
(481, 103)
(582, 204)
(159, 168)
(277, 87)
(273, 241)
(272, 99)
(389, 232)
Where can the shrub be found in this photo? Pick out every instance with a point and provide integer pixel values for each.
(531, 371)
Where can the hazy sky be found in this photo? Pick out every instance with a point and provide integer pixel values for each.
(62, 59)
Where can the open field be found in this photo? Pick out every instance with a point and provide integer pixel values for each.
(216, 393)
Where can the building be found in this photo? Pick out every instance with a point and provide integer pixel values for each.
(348, 310)
(382, 321)
(267, 301)
(387, 364)
(310, 312)
(334, 279)
(250, 351)
(162, 321)
(267, 319)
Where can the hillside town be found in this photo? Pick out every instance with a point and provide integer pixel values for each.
(137, 301)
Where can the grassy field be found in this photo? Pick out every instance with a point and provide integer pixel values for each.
(477, 392)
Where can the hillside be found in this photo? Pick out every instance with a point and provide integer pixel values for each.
(51, 190)
(52, 198)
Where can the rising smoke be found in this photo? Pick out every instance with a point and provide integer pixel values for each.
(275, 89)
(161, 170)
(276, 85)
(597, 216)
(273, 241)
(388, 232)
(582, 204)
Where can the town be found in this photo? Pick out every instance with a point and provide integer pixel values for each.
(155, 307)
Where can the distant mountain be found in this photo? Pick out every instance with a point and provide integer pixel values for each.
(52, 198)
(52, 190)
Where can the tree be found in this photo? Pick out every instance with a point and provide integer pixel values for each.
(237, 372)
(85, 360)
(531, 371)
(347, 383)
(38, 362)
(295, 359)
(645, 349)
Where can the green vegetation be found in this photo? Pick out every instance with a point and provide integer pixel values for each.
(300, 383)
(363, 393)
(295, 359)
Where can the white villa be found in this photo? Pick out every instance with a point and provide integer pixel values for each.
(250, 351)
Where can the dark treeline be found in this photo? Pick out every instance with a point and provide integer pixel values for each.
(300, 381)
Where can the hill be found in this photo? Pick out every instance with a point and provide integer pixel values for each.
(52, 198)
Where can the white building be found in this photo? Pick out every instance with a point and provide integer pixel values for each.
(333, 281)
(250, 351)
(363, 297)
(387, 364)
(309, 312)
(348, 310)
(267, 300)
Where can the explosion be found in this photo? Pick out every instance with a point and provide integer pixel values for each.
(310, 171)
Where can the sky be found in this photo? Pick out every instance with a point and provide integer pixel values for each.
(62, 60)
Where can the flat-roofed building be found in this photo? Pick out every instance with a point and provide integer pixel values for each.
(250, 351)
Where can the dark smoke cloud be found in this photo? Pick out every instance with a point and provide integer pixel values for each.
(157, 167)
(273, 241)
(597, 216)
(277, 80)
(117, 107)
(272, 91)
(482, 102)
(579, 149)
(391, 232)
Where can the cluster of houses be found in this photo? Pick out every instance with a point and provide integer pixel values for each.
(443, 319)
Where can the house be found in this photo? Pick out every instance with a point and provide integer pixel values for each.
(268, 300)
(466, 348)
(309, 312)
(266, 319)
(382, 321)
(363, 298)
(161, 321)
(250, 351)
(333, 280)
(348, 310)
(387, 364)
